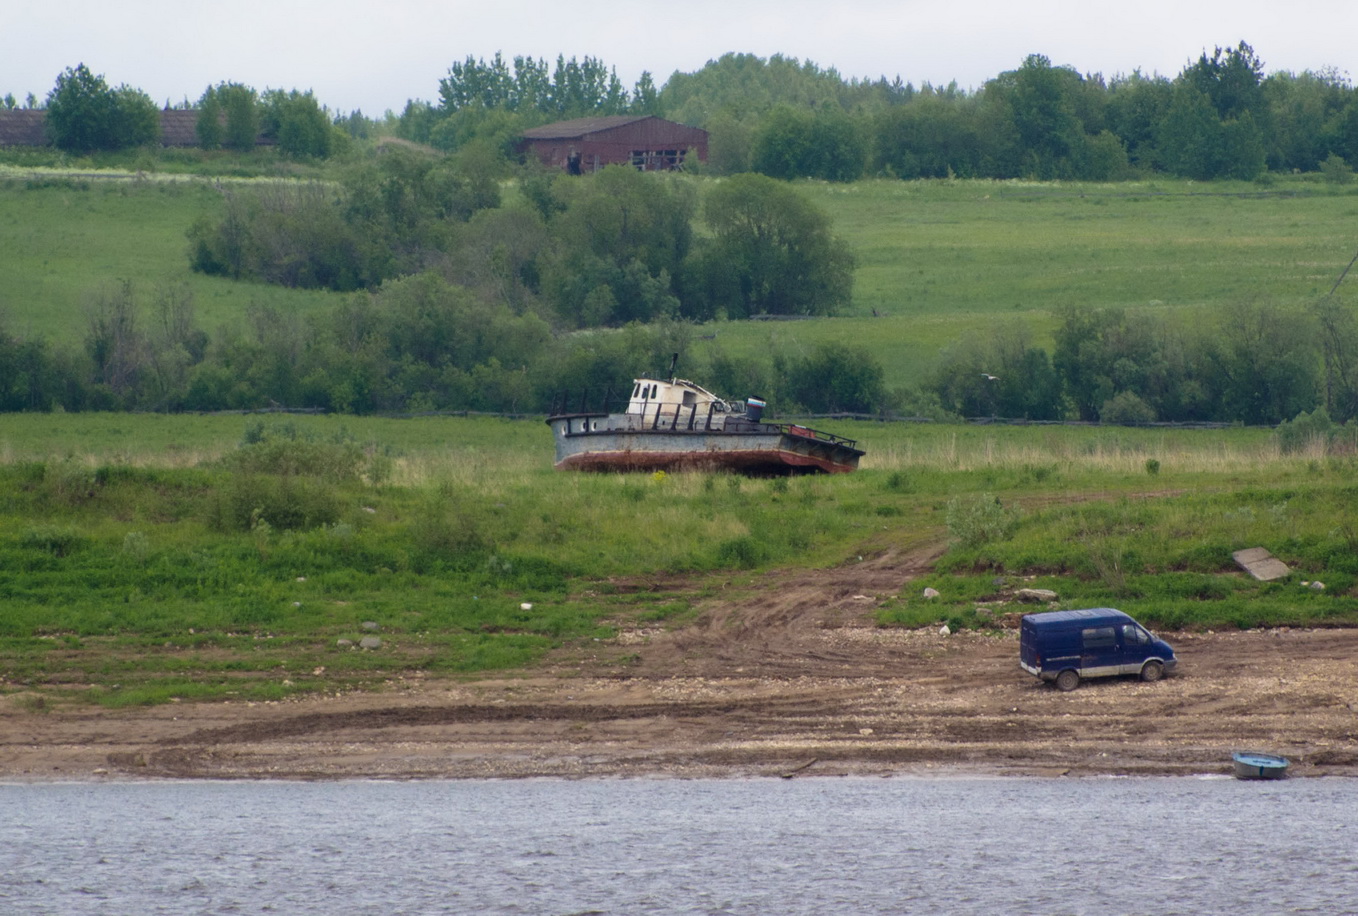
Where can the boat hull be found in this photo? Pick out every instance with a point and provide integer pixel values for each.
(1252, 765)
(766, 449)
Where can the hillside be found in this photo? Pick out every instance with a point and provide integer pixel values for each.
(938, 260)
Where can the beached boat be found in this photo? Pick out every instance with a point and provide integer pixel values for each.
(1254, 765)
(676, 424)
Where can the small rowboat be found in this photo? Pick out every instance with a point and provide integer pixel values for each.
(1254, 765)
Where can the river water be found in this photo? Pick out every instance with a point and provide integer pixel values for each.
(766, 846)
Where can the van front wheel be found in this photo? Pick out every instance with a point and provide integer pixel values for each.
(1068, 680)
(1152, 671)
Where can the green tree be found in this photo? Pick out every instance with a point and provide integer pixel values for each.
(241, 106)
(935, 135)
(208, 126)
(770, 252)
(80, 111)
(837, 378)
(645, 96)
(999, 376)
(1231, 79)
(1300, 109)
(631, 232)
(136, 118)
(1191, 138)
(792, 143)
(1339, 348)
(1041, 100)
(297, 124)
(84, 114)
(1217, 120)
(1269, 360)
(1136, 106)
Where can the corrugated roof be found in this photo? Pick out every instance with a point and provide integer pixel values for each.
(179, 127)
(23, 127)
(579, 127)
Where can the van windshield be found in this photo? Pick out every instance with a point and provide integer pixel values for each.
(1133, 635)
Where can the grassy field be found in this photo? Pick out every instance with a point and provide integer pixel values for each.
(67, 239)
(144, 558)
(938, 260)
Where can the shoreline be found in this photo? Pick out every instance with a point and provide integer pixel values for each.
(850, 701)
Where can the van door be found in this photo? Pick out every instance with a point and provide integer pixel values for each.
(1137, 646)
(1100, 654)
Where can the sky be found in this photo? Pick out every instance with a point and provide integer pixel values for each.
(376, 56)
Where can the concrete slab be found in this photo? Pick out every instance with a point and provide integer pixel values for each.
(1261, 564)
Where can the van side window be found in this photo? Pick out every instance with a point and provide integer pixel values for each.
(1099, 638)
(1133, 635)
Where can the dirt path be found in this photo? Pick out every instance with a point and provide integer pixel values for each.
(789, 678)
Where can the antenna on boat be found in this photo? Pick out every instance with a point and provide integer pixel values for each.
(674, 361)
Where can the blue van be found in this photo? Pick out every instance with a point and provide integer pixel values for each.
(1065, 646)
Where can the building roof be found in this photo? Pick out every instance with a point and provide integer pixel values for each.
(23, 127)
(26, 127)
(579, 127)
(179, 127)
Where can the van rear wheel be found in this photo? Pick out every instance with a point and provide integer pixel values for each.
(1152, 671)
(1068, 680)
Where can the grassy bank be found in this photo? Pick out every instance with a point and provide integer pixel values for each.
(144, 558)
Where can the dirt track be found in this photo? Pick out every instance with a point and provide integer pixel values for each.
(790, 679)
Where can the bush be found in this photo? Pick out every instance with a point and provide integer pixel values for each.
(1126, 409)
(973, 521)
(251, 501)
(1335, 170)
(1305, 431)
(285, 450)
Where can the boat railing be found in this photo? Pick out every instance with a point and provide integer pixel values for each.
(587, 402)
(681, 417)
(806, 432)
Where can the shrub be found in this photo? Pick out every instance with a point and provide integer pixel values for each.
(1126, 409)
(59, 542)
(973, 521)
(1304, 431)
(285, 503)
(285, 450)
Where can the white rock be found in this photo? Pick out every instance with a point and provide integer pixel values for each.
(931, 593)
(944, 631)
(526, 606)
(1317, 586)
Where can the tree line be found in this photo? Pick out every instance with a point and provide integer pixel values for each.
(83, 114)
(416, 344)
(423, 343)
(1220, 117)
(1251, 363)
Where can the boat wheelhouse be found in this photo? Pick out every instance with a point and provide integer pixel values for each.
(671, 424)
